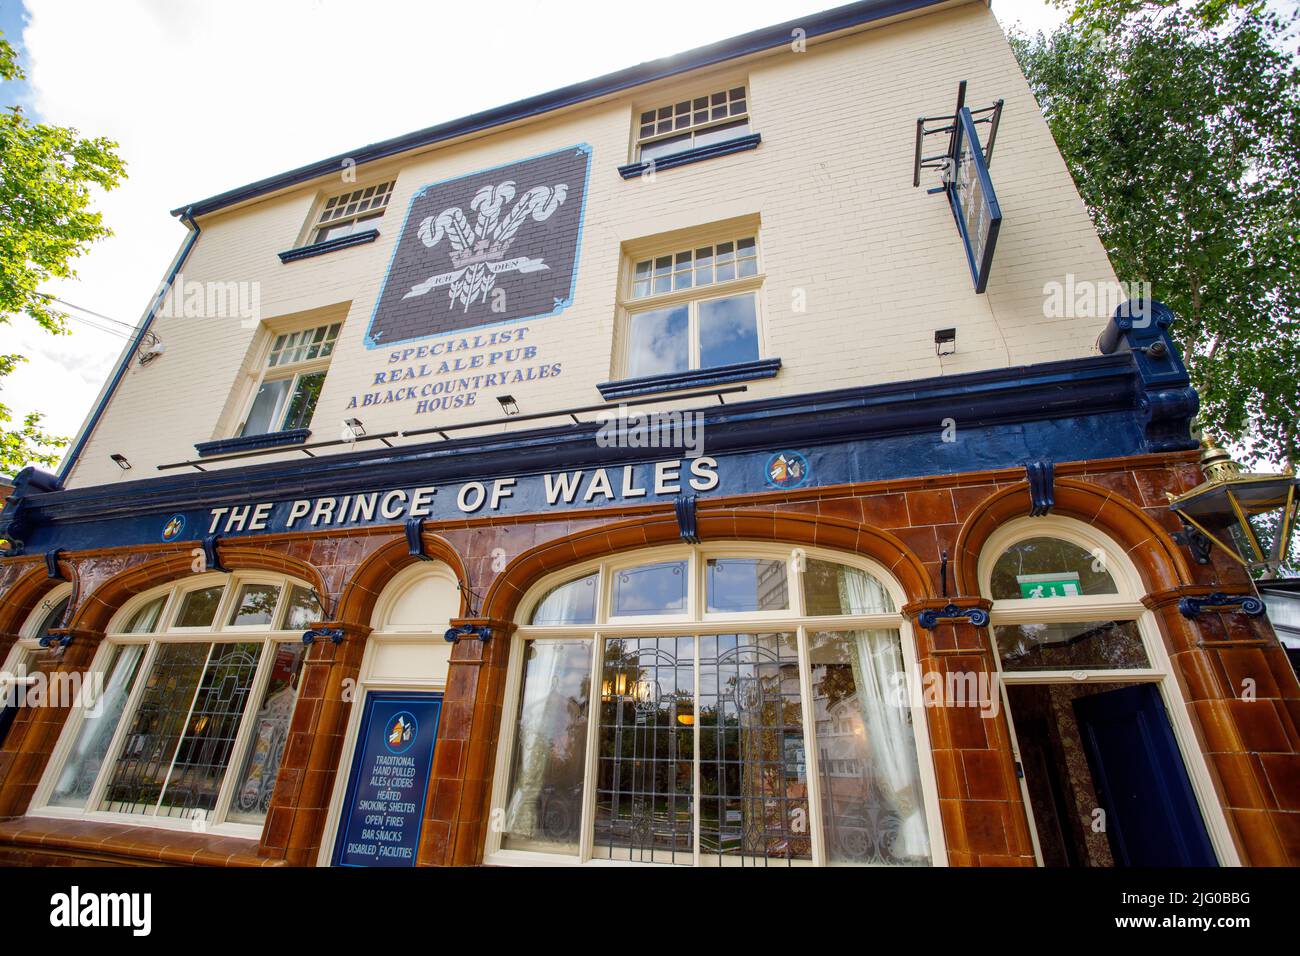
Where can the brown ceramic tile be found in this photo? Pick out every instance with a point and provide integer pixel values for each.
(1283, 775)
(985, 774)
(930, 507)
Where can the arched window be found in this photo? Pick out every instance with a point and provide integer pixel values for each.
(16, 682)
(1099, 729)
(187, 712)
(712, 705)
(1065, 600)
(407, 649)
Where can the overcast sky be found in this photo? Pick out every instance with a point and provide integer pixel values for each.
(204, 96)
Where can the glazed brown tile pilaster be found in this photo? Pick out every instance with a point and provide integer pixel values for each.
(1244, 701)
(295, 821)
(35, 730)
(980, 803)
(455, 812)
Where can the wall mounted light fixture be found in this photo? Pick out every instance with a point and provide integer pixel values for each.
(945, 341)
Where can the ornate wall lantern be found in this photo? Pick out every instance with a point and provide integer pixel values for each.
(1222, 506)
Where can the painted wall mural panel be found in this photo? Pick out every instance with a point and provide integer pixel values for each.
(500, 245)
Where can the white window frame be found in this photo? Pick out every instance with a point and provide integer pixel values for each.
(693, 129)
(27, 646)
(692, 297)
(1126, 605)
(292, 370)
(165, 633)
(792, 620)
(320, 225)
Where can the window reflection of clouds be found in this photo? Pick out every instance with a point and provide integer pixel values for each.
(659, 342)
(728, 331)
(651, 589)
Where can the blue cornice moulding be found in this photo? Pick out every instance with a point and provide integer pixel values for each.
(696, 378)
(329, 245)
(1167, 402)
(779, 35)
(1089, 408)
(225, 446)
(687, 156)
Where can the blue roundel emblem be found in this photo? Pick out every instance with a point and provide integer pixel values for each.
(788, 469)
(401, 732)
(173, 528)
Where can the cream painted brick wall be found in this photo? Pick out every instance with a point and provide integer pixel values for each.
(879, 262)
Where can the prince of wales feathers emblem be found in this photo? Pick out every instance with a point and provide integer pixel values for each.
(478, 251)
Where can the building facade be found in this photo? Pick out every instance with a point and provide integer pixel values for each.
(633, 473)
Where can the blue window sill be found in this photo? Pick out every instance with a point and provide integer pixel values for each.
(329, 245)
(224, 446)
(696, 378)
(687, 156)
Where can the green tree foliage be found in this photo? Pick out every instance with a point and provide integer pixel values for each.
(1181, 126)
(1111, 14)
(46, 221)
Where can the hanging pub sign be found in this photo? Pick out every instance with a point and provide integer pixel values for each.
(974, 203)
(500, 245)
(964, 166)
(384, 804)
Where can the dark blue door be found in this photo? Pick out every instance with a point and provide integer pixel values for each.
(1152, 817)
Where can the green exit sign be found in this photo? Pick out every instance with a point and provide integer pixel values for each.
(1061, 584)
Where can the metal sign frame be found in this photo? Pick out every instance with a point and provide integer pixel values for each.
(953, 164)
(971, 172)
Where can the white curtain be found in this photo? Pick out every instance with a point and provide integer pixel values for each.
(877, 675)
(97, 727)
(532, 741)
(566, 604)
(860, 593)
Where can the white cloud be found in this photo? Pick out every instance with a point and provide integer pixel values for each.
(206, 96)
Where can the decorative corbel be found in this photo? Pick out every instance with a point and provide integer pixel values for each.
(459, 632)
(477, 629)
(1248, 604)
(684, 507)
(415, 539)
(335, 635)
(931, 617)
(211, 560)
(1041, 476)
(52, 564)
(60, 636)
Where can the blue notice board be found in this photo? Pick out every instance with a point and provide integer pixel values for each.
(384, 805)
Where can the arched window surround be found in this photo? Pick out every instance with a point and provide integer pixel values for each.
(31, 629)
(18, 662)
(1126, 605)
(695, 616)
(696, 620)
(271, 638)
(398, 587)
(397, 657)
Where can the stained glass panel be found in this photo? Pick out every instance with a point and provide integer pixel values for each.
(753, 769)
(644, 780)
(270, 733)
